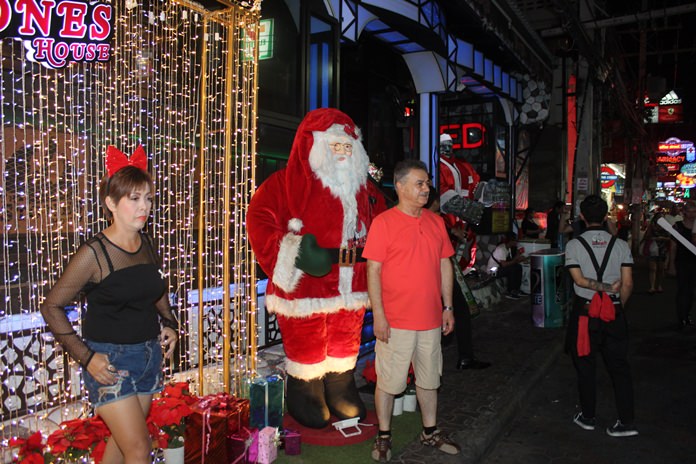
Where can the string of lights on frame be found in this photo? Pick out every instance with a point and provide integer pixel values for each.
(178, 77)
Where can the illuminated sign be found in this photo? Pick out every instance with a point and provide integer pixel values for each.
(663, 159)
(669, 109)
(467, 135)
(57, 32)
(608, 177)
(265, 41)
(689, 170)
(669, 113)
(686, 182)
(673, 147)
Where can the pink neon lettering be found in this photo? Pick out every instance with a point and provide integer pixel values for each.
(101, 28)
(78, 51)
(34, 15)
(5, 14)
(42, 48)
(103, 52)
(74, 22)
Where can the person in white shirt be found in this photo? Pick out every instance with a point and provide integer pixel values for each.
(504, 263)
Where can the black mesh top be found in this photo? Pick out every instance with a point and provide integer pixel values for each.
(125, 294)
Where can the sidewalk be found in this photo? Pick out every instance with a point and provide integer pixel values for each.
(474, 406)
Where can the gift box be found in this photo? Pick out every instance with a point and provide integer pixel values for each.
(291, 442)
(243, 446)
(214, 419)
(268, 445)
(266, 401)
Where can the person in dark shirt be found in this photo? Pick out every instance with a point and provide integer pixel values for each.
(684, 265)
(128, 322)
(553, 222)
(530, 229)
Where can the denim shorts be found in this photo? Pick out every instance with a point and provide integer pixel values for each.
(138, 368)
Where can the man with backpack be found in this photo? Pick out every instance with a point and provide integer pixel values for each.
(601, 268)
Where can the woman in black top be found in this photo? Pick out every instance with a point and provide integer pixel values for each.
(128, 322)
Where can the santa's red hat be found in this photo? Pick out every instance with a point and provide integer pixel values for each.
(299, 175)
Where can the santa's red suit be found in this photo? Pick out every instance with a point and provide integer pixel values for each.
(320, 318)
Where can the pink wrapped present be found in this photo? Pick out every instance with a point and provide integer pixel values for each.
(268, 445)
(243, 446)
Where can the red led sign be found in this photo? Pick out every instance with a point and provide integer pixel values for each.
(670, 159)
(467, 135)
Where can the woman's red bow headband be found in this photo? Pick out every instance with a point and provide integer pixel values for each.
(117, 160)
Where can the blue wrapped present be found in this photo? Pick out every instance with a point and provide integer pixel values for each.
(266, 401)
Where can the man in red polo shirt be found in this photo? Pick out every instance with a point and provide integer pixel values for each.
(409, 282)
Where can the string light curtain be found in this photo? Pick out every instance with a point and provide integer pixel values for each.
(182, 82)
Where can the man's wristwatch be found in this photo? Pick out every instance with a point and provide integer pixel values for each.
(447, 308)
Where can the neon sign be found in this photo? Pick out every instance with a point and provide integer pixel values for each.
(674, 147)
(57, 32)
(467, 135)
(671, 159)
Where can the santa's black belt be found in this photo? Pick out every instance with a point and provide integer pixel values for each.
(346, 256)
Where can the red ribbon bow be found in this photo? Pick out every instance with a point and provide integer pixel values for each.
(117, 160)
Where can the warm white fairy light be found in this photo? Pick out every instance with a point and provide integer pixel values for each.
(57, 125)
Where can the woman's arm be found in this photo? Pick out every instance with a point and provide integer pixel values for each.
(82, 268)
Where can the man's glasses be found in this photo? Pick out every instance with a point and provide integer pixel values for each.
(341, 147)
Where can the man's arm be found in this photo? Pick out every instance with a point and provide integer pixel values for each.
(582, 281)
(626, 284)
(447, 286)
(380, 325)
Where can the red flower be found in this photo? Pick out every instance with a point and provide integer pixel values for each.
(369, 373)
(167, 413)
(179, 390)
(30, 449)
(78, 438)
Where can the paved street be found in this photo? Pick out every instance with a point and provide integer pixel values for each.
(520, 409)
(664, 367)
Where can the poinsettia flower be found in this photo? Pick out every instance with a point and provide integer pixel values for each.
(30, 449)
(369, 373)
(179, 390)
(98, 451)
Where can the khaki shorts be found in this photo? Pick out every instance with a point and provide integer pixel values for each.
(392, 360)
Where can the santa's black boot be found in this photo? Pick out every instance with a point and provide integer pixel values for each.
(306, 404)
(342, 395)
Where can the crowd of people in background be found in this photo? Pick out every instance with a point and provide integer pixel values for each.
(664, 254)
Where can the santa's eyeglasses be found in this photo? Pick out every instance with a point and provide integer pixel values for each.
(341, 147)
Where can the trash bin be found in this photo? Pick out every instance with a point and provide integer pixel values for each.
(526, 247)
(548, 288)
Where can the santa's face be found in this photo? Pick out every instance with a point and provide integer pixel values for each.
(340, 153)
(339, 161)
(341, 149)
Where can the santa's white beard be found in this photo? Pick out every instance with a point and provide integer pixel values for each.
(343, 178)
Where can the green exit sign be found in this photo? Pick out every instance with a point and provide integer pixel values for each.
(265, 42)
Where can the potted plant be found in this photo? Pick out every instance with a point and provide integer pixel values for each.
(166, 419)
(77, 440)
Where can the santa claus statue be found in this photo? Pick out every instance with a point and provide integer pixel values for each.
(307, 225)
